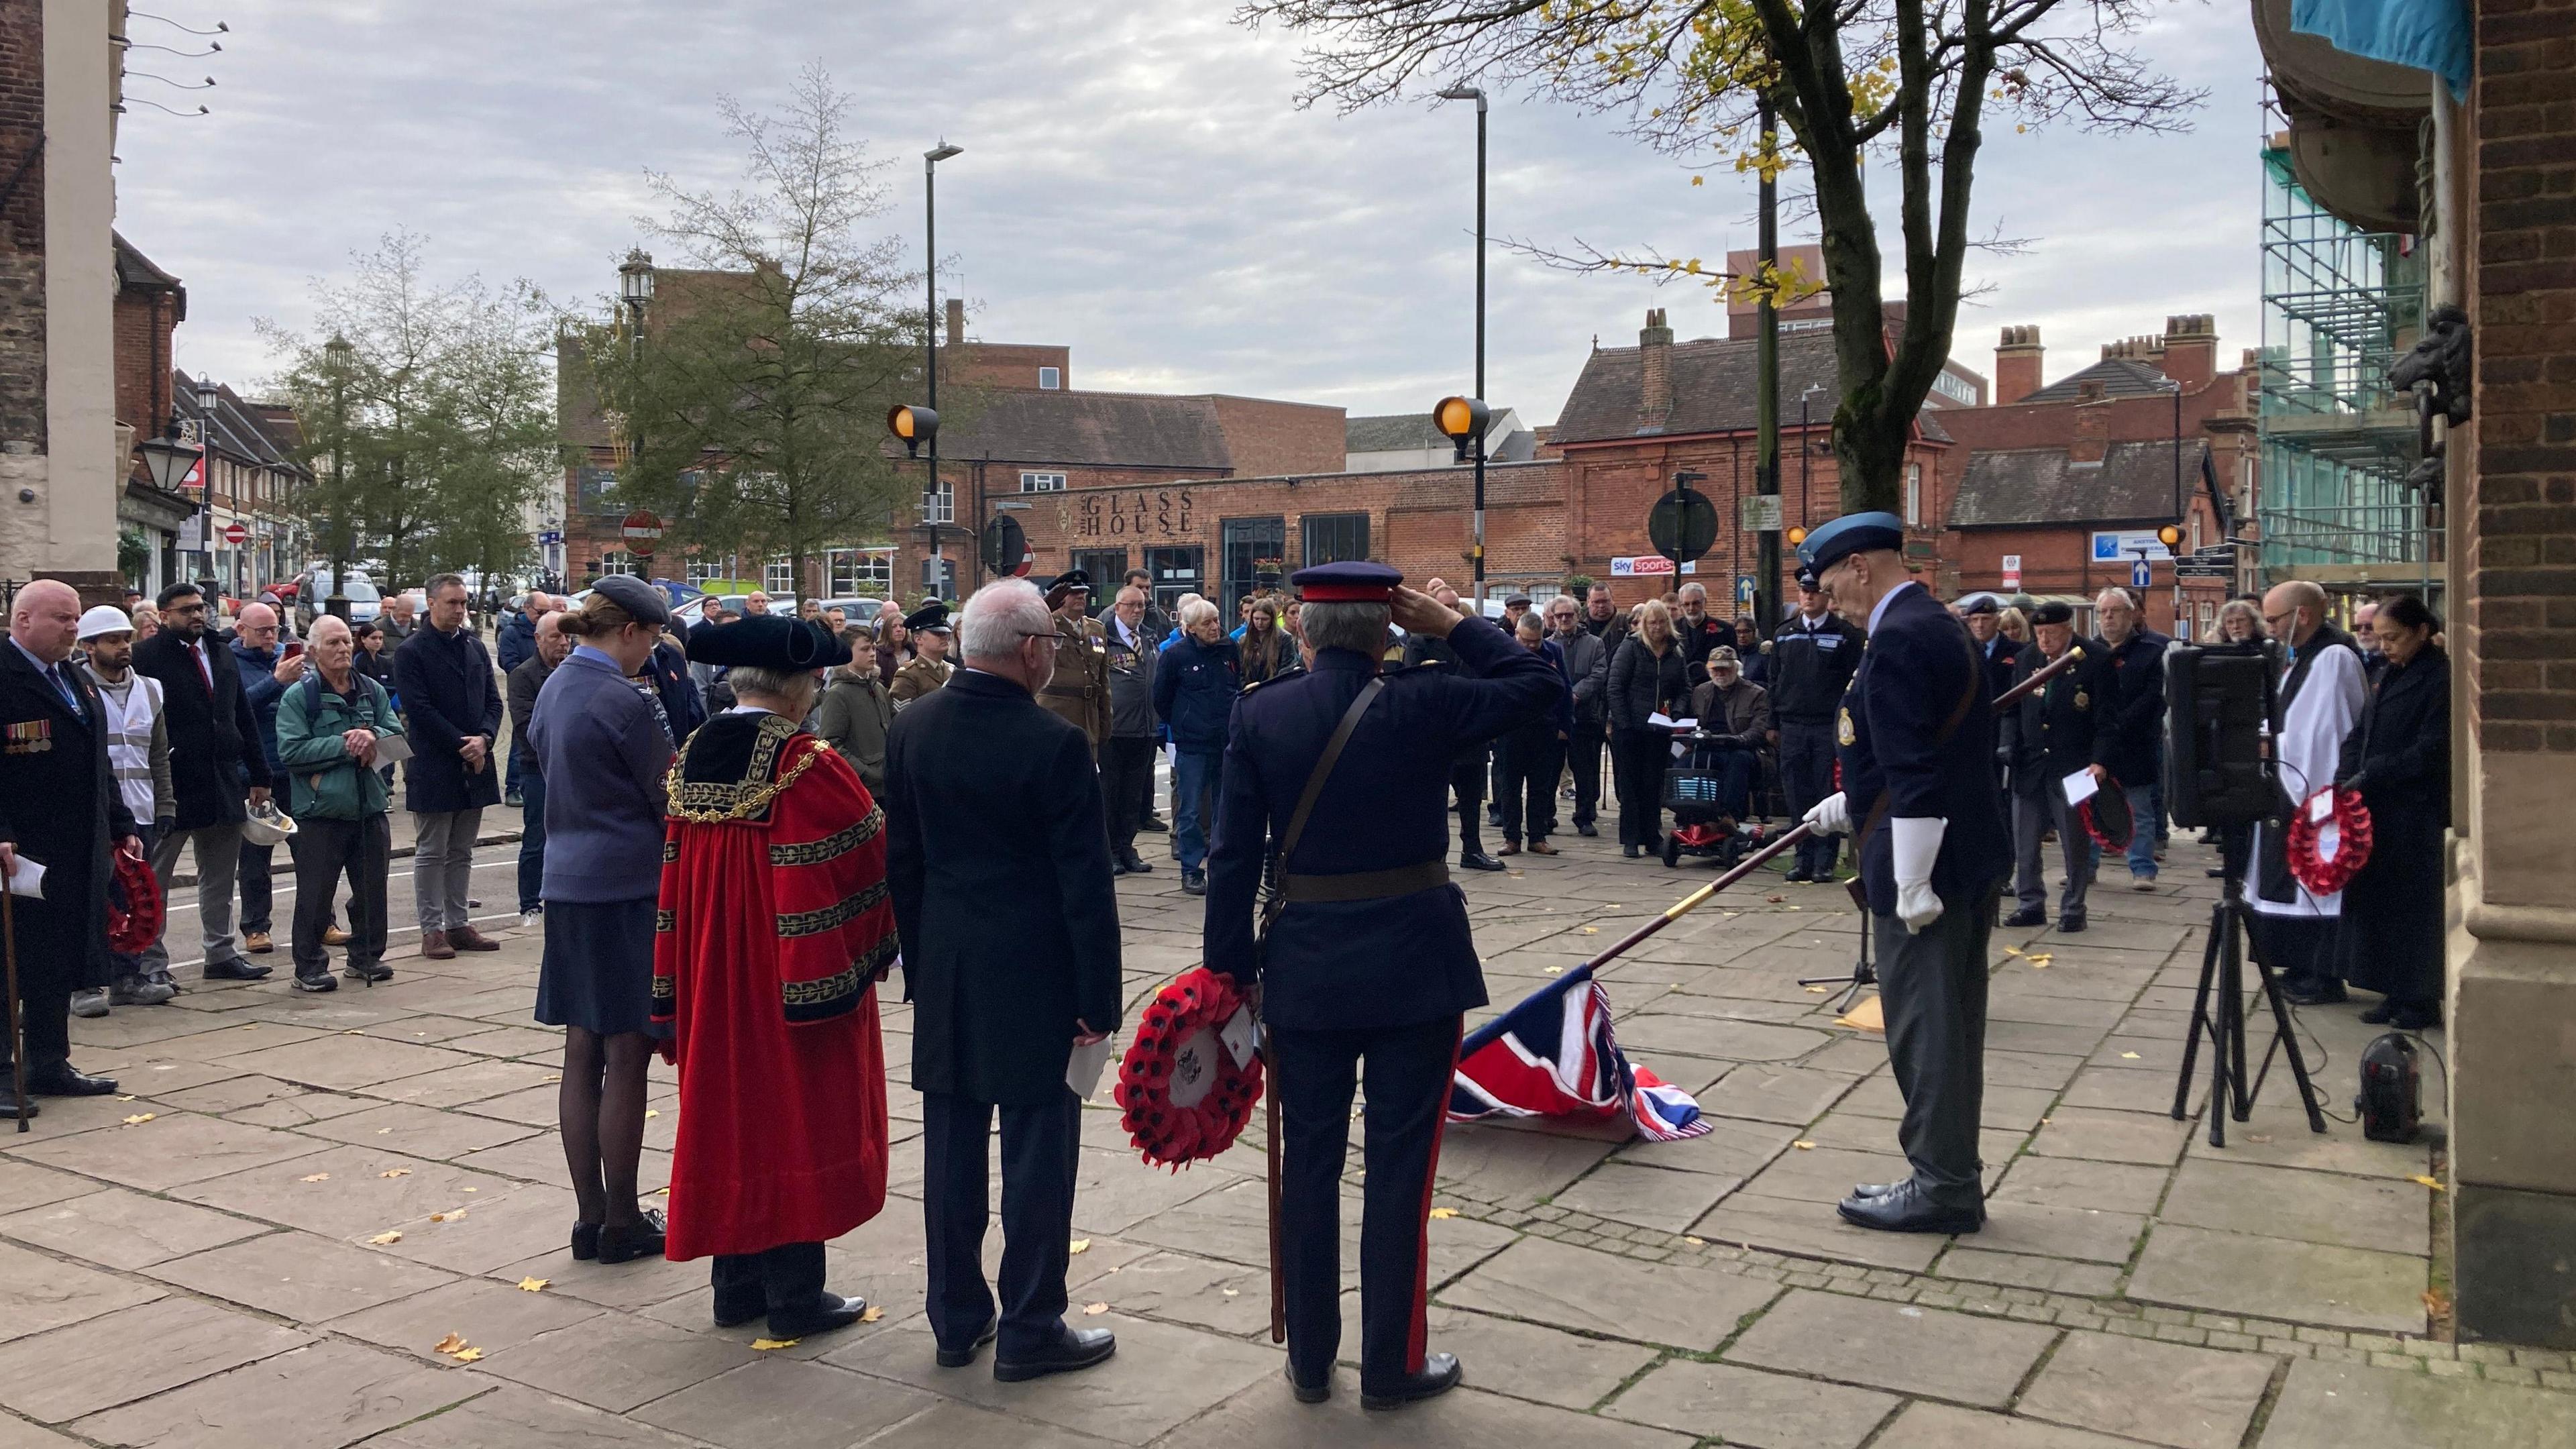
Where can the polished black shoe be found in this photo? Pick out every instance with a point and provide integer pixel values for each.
(1586, 831)
(1193, 882)
(2027, 916)
(2216, 872)
(1874, 1189)
(2069, 925)
(2316, 993)
(961, 1357)
(1904, 1209)
(59, 1080)
(1080, 1348)
(1136, 865)
(1117, 868)
(830, 1312)
(1439, 1375)
(1154, 825)
(1799, 876)
(13, 1108)
(1477, 860)
(2380, 1015)
(236, 969)
(585, 1247)
(1308, 1393)
(1630, 851)
(1494, 819)
(315, 984)
(641, 1239)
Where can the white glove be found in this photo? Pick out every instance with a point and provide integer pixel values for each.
(1829, 816)
(1916, 843)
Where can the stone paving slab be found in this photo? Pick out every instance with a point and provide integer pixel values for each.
(1162, 1375)
(121, 1229)
(323, 1397)
(38, 1293)
(56, 1377)
(1750, 1407)
(1265, 1417)
(785, 1404)
(2277, 1278)
(1566, 1286)
(1940, 1426)
(299, 1277)
(2164, 1393)
(1895, 1346)
(2310, 1207)
(2338, 1406)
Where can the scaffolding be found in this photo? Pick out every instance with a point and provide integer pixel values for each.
(2339, 305)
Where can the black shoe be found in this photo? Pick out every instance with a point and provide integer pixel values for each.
(1494, 818)
(1799, 876)
(59, 1080)
(833, 1311)
(2027, 916)
(961, 1357)
(1117, 868)
(1586, 831)
(1080, 1348)
(13, 1108)
(514, 800)
(735, 1315)
(642, 1240)
(1874, 1189)
(2069, 925)
(315, 984)
(1136, 865)
(1439, 1375)
(370, 972)
(2316, 993)
(2417, 1017)
(1904, 1209)
(1630, 851)
(1477, 860)
(2380, 1015)
(2216, 872)
(236, 969)
(1308, 1393)
(585, 1249)
(1154, 825)
(1193, 882)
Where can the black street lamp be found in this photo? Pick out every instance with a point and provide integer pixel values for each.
(207, 399)
(930, 160)
(1472, 93)
(635, 288)
(337, 354)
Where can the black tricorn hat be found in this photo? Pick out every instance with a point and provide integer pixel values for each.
(767, 641)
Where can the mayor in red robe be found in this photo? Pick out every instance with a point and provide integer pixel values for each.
(773, 929)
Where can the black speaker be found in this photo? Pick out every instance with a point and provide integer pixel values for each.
(2218, 757)
(2391, 1103)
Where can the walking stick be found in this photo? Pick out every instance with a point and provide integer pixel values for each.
(1278, 1278)
(17, 1020)
(2039, 678)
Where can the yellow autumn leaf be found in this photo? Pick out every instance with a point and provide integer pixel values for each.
(1094, 1309)
(557, 1077)
(450, 1344)
(765, 1345)
(872, 1314)
(139, 1118)
(1818, 990)
(1555, 970)
(449, 1216)
(1592, 930)
(1699, 181)
(2128, 1056)
(1696, 1242)
(395, 1172)
(385, 1239)
(315, 1177)
(1233, 1292)
(2421, 1180)
(466, 1355)
(650, 1114)
(1079, 1245)
(535, 1285)
(1803, 1146)
(2012, 950)
(128, 1098)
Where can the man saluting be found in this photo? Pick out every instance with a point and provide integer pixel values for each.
(1916, 740)
(1345, 776)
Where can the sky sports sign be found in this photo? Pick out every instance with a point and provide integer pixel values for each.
(1646, 566)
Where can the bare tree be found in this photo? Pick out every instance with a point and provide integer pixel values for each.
(1849, 78)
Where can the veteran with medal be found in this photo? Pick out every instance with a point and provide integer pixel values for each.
(773, 929)
(2054, 732)
(1916, 738)
(1079, 692)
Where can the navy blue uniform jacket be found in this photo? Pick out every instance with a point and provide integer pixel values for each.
(1396, 960)
(1918, 663)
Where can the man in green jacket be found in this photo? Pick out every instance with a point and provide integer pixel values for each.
(331, 731)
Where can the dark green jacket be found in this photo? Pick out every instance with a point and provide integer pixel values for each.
(322, 780)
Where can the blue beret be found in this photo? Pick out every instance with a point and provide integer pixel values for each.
(1352, 581)
(768, 641)
(1851, 533)
(1981, 604)
(642, 602)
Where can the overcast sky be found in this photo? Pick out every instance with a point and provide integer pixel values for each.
(1137, 184)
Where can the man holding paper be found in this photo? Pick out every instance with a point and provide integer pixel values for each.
(2052, 742)
(1917, 741)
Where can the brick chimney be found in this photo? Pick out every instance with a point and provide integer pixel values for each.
(956, 321)
(2017, 360)
(1655, 373)
(2092, 425)
(2191, 349)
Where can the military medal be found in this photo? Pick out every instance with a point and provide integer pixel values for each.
(2083, 700)
(1843, 728)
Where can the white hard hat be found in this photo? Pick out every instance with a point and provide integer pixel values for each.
(105, 619)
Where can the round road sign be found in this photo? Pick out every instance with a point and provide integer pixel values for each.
(1006, 546)
(1682, 524)
(234, 533)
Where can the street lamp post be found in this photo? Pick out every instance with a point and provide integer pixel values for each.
(207, 398)
(1806, 453)
(1472, 93)
(635, 288)
(337, 354)
(930, 160)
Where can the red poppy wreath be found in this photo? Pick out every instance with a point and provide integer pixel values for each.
(2329, 840)
(137, 924)
(1188, 1082)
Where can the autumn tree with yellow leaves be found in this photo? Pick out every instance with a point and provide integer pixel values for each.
(1851, 81)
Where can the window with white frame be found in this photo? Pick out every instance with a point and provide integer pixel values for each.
(1914, 495)
(940, 506)
(779, 577)
(616, 561)
(1050, 379)
(1042, 482)
(860, 572)
(702, 569)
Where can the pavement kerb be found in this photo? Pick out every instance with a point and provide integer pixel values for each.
(187, 879)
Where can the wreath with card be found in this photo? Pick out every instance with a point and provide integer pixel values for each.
(2329, 840)
(1188, 1082)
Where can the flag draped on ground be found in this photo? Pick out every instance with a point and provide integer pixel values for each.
(1554, 1055)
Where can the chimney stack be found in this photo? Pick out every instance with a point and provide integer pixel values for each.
(1655, 376)
(2191, 350)
(2092, 425)
(2017, 360)
(956, 321)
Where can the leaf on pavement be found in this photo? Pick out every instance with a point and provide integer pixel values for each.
(534, 1285)
(1091, 1309)
(449, 1216)
(315, 1177)
(872, 1314)
(466, 1355)
(1444, 1212)
(1079, 1245)
(1803, 1146)
(450, 1344)
(2431, 1182)
(651, 1113)
(1696, 1242)
(2128, 1056)
(139, 1118)
(395, 1172)
(767, 1345)
(385, 1239)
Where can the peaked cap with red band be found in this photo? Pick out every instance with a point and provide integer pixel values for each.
(1353, 581)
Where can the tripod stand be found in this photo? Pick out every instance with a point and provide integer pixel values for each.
(2222, 967)
(1863, 975)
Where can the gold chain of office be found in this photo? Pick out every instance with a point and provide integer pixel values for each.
(743, 806)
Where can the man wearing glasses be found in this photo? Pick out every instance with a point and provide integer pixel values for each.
(218, 771)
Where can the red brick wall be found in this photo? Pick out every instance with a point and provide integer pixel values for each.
(1268, 438)
(22, 230)
(1005, 364)
(144, 323)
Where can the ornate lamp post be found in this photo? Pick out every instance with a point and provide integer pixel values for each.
(1471, 93)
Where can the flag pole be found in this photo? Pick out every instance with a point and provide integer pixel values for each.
(1698, 898)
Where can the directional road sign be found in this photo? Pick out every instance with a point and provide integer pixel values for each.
(1682, 525)
(2141, 575)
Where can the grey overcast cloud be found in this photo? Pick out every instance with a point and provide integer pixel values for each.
(1137, 183)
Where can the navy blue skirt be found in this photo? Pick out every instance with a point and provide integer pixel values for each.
(598, 967)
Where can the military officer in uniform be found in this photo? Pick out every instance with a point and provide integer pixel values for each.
(1370, 959)
(2053, 733)
(1079, 693)
(1809, 661)
(1916, 734)
(928, 668)
(1466, 775)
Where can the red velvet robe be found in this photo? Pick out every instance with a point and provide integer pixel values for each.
(773, 929)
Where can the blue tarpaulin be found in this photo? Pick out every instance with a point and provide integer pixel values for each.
(2426, 34)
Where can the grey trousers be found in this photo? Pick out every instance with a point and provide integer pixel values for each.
(442, 865)
(1932, 989)
(2032, 816)
(218, 852)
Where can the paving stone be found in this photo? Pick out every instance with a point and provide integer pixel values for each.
(490, 1228)
(1263, 1416)
(1939, 1426)
(1515, 1161)
(1731, 1148)
(1688, 1307)
(2190, 1398)
(510, 1041)
(355, 1199)
(1185, 1289)
(299, 1276)
(1113, 1191)
(2104, 1136)
(2276, 1133)
(2030, 1069)
(1649, 1034)
(2049, 1275)
(122, 1229)
(2122, 1088)
(1899, 1347)
(1161, 1376)
(1813, 1230)
(172, 1149)
(2061, 1232)
(19, 1434)
(1648, 1196)
(131, 1354)
(2312, 1207)
(1750, 1407)
(2016, 1109)
(510, 1417)
(491, 1316)
(2010, 999)
(458, 1085)
(614, 1362)
(25, 1184)
(1233, 1224)
(419, 1131)
(322, 1397)
(781, 1403)
(345, 1062)
(38, 1293)
(1825, 1174)
(237, 1093)
(1522, 1360)
(2337, 1406)
(2079, 1183)
(2031, 1036)
(2276, 1278)
(1766, 1093)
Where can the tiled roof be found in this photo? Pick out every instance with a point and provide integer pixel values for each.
(1713, 388)
(237, 429)
(2119, 376)
(1101, 429)
(2014, 487)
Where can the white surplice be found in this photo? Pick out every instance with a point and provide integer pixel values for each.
(2328, 704)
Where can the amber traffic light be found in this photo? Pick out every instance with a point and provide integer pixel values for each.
(1462, 421)
(2169, 535)
(914, 426)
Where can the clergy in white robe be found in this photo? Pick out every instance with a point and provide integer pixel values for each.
(2320, 699)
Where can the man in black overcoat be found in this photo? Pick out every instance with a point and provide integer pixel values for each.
(452, 707)
(59, 807)
(217, 769)
(2054, 732)
(997, 858)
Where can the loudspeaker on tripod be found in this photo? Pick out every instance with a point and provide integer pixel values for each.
(2218, 701)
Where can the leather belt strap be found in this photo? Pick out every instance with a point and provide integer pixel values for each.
(1366, 885)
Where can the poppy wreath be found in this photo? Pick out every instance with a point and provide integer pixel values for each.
(1177, 1036)
(2324, 874)
(2102, 835)
(137, 924)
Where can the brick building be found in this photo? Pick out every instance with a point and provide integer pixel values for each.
(150, 305)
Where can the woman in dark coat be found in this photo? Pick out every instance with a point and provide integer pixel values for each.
(1646, 677)
(2399, 758)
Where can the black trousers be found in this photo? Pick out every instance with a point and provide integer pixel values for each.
(1807, 776)
(1932, 985)
(1039, 1159)
(1467, 783)
(326, 850)
(784, 1280)
(1637, 757)
(1408, 1070)
(258, 895)
(1583, 755)
(1529, 770)
(1126, 787)
(47, 975)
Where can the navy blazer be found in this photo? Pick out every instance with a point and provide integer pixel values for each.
(1394, 960)
(214, 734)
(448, 694)
(1916, 667)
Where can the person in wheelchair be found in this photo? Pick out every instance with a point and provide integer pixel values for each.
(1734, 724)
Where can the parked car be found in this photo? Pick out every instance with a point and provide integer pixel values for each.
(314, 589)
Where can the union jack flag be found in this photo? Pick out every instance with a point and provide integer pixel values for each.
(1554, 1055)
